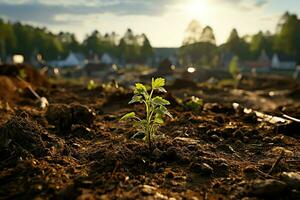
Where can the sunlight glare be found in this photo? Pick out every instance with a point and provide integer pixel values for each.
(196, 8)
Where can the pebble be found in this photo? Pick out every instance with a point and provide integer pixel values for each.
(157, 153)
(292, 179)
(202, 168)
(170, 175)
(215, 138)
(267, 188)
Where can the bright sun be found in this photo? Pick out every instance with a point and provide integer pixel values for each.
(196, 8)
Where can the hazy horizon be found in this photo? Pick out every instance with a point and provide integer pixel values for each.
(163, 21)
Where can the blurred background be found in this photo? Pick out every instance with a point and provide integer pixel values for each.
(126, 41)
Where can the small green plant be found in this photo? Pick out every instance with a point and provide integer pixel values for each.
(154, 106)
(91, 85)
(234, 70)
(22, 74)
(194, 104)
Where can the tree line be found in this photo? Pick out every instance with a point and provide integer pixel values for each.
(18, 38)
(199, 45)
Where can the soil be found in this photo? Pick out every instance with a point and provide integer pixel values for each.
(78, 149)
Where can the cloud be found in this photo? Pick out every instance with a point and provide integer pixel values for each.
(245, 5)
(261, 3)
(46, 11)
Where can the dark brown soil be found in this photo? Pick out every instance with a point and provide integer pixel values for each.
(78, 148)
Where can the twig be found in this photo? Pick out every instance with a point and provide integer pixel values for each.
(30, 88)
(264, 174)
(291, 118)
(282, 154)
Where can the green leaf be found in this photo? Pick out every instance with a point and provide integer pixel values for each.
(128, 116)
(160, 101)
(161, 89)
(169, 114)
(158, 82)
(140, 89)
(162, 110)
(158, 119)
(136, 99)
(194, 104)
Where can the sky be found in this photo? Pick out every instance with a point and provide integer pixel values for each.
(163, 21)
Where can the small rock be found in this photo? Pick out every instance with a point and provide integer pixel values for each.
(81, 131)
(267, 139)
(292, 179)
(215, 138)
(278, 150)
(246, 139)
(224, 167)
(157, 153)
(202, 168)
(160, 170)
(249, 117)
(148, 190)
(170, 175)
(290, 129)
(278, 139)
(267, 188)
(249, 170)
(82, 115)
(59, 115)
(171, 154)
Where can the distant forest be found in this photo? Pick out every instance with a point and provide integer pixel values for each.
(18, 38)
(199, 45)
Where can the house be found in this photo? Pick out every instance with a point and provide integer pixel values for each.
(263, 62)
(72, 60)
(283, 62)
(107, 59)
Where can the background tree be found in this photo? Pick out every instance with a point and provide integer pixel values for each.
(7, 39)
(236, 45)
(193, 33)
(261, 42)
(287, 37)
(199, 49)
(146, 49)
(208, 35)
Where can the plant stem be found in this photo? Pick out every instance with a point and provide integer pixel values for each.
(149, 116)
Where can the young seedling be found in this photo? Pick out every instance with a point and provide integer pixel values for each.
(154, 107)
(91, 85)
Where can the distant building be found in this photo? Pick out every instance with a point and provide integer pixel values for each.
(72, 60)
(263, 63)
(107, 59)
(283, 62)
